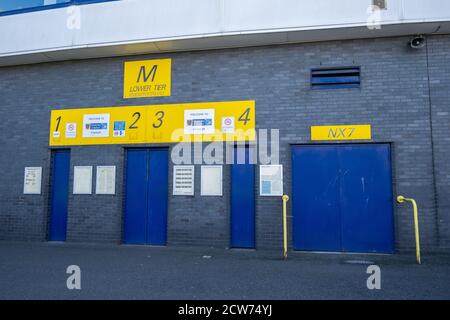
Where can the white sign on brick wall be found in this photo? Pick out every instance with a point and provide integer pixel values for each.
(105, 182)
(183, 180)
(271, 180)
(82, 180)
(32, 180)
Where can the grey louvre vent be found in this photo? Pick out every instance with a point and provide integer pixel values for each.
(335, 78)
(380, 4)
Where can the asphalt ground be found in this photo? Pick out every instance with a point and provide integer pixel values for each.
(38, 271)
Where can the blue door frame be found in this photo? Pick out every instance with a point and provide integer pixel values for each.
(59, 195)
(342, 198)
(242, 220)
(146, 186)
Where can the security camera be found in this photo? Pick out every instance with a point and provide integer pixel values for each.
(417, 42)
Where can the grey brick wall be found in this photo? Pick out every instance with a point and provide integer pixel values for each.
(439, 72)
(394, 98)
(95, 217)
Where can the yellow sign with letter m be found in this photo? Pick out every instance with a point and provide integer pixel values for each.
(147, 78)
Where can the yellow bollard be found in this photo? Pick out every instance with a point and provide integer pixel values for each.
(402, 199)
(285, 200)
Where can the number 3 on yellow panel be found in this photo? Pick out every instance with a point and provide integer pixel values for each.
(158, 119)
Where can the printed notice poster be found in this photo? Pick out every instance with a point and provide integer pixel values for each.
(96, 125)
(199, 121)
(211, 181)
(119, 129)
(271, 180)
(32, 180)
(183, 180)
(71, 130)
(82, 180)
(106, 180)
(227, 124)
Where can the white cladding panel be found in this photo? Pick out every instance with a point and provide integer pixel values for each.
(141, 26)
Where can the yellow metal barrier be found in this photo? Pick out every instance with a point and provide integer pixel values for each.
(402, 199)
(285, 200)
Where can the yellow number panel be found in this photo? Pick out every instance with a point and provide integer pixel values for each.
(168, 123)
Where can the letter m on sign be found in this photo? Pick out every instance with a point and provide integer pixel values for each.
(145, 75)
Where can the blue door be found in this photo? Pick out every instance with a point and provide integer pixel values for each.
(59, 194)
(366, 198)
(342, 198)
(157, 197)
(146, 196)
(136, 181)
(315, 199)
(242, 199)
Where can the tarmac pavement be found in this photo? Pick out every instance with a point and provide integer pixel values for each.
(38, 271)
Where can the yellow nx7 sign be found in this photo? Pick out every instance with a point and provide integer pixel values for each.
(147, 78)
(342, 132)
(166, 123)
